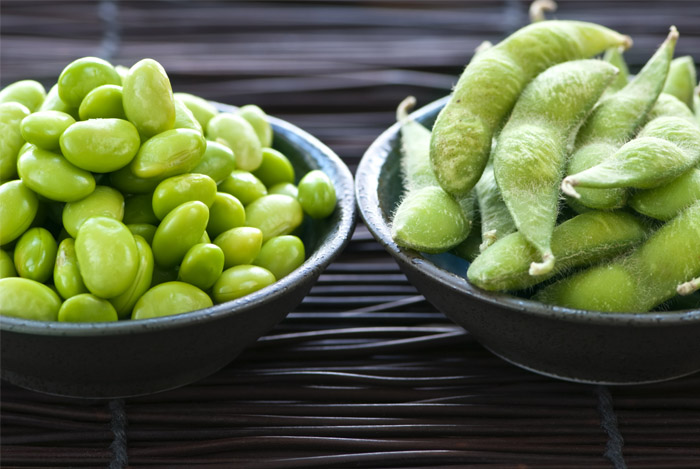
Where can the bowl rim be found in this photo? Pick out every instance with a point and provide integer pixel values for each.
(336, 241)
(366, 194)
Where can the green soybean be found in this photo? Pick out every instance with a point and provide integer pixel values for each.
(585, 239)
(274, 215)
(236, 133)
(145, 230)
(29, 93)
(615, 56)
(529, 158)
(35, 254)
(138, 208)
(100, 145)
(226, 212)
(240, 245)
(669, 105)
(81, 76)
(103, 102)
(244, 186)
(52, 176)
(104, 201)
(281, 255)
(7, 265)
(128, 183)
(53, 102)
(18, 207)
(275, 168)
(148, 98)
(86, 308)
(667, 201)
(217, 162)
(107, 256)
(125, 302)
(11, 139)
(682, 80)
(181, 229)
(239, 281)
(28, 299)
(184, 119)
(316, 194)
(201, 109)
(177, 190)
(284, 188)
(258, 119)
(44, 128)
(170, 298)
(66, 272)
(169, 153)
(490, 85)
(202, 265)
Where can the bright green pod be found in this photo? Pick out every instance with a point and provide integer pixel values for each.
(145, 230)
(217, 162)
(127, 182)
(258, 119)
(44, 128)
(86, 308)
(103, 102)
(53, 102)
(52, 176)
(18, 207)
(682, 80)
(184, 119)
(585, 239)
(281, 255)
(11, 116)
(104, 201)
(284, 188)
(614, 56)
(83, 75)
(244, 186)
(202, 265)
(240, 245)
(236, 133)
(275, 168)
(239, 281)
(24, 298)
(201, 109)
(491, 84)
(316, 194)
(124, 303)
(107, 256)
(226, 212)
(35, 254)
(667, 201)
(170, 153)
(100, 145)
(30, 93)
(138, 208)
(274, 215)
(669, 106)
(181, 229)
(495, 219)
(170, 298)
(7, 265)
(148, 98)
(177, 190)
(66, 272)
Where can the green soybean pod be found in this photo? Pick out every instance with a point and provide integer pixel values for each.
(148, 98)
(530, 154)
(181, 229)
(495, 219)
(258, 119)
(107, 256)
(104, 201)
(169, 153)
(217, 162)
(177, 190)
(169, 298)
(11, 140)
(281, 255)
(81, 76)
(28, 299)
(145, 230)
(236, 133)
(53, 102)
(100, 145)
(124, 303)
(682, 80)
(284, 188)
(202, 265)
(18, 207)
(44, 128)
(668, 105)
(239, 281)
(585, 239)
(30, 93)
(86, 308)
(316, 194)
(201, 109)
(244, 186)
(240, 245)
(490, 85)
(615, 56)
(226, 212)
(138, 208)
(667, 201)
(274, 215)
(470, 248)
(275, 168)
(184, 119)
(35, 254)
(103, 102)
(52, 176)
(7, 265)
(66, 272)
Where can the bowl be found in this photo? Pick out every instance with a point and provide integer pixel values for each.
(136, 357)
(573, 345)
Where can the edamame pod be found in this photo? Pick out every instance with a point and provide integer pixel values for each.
(28, 299)
(148, 98)
(495, 219)
(682, 80)
(490, 85)
(529, 158)
(669, 105)
(585, 239)
(665, 202)
(614, 56)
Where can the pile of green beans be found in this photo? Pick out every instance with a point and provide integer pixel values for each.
(121, 199)
(586, 180)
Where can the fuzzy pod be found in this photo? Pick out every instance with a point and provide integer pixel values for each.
(665, 202)
(530, 154)
(669, 106)
(496, 221)
(614, 56)
(682, 80)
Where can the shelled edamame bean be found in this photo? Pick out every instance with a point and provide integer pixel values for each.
(121, 199)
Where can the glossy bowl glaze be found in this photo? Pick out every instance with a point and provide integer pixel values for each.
(128, 358)
(575, 345)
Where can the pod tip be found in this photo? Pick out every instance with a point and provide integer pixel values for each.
(544, 267)
(567, 187)
(404, 108)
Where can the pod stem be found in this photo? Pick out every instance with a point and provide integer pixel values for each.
(404, 107)
(544, 267)
(689, 287)
(538, 9)
(489, 238)
(567, 187)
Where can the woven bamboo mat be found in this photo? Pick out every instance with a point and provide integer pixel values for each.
(364, 373)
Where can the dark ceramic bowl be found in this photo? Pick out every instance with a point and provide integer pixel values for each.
(128, 358)
(575, 345)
